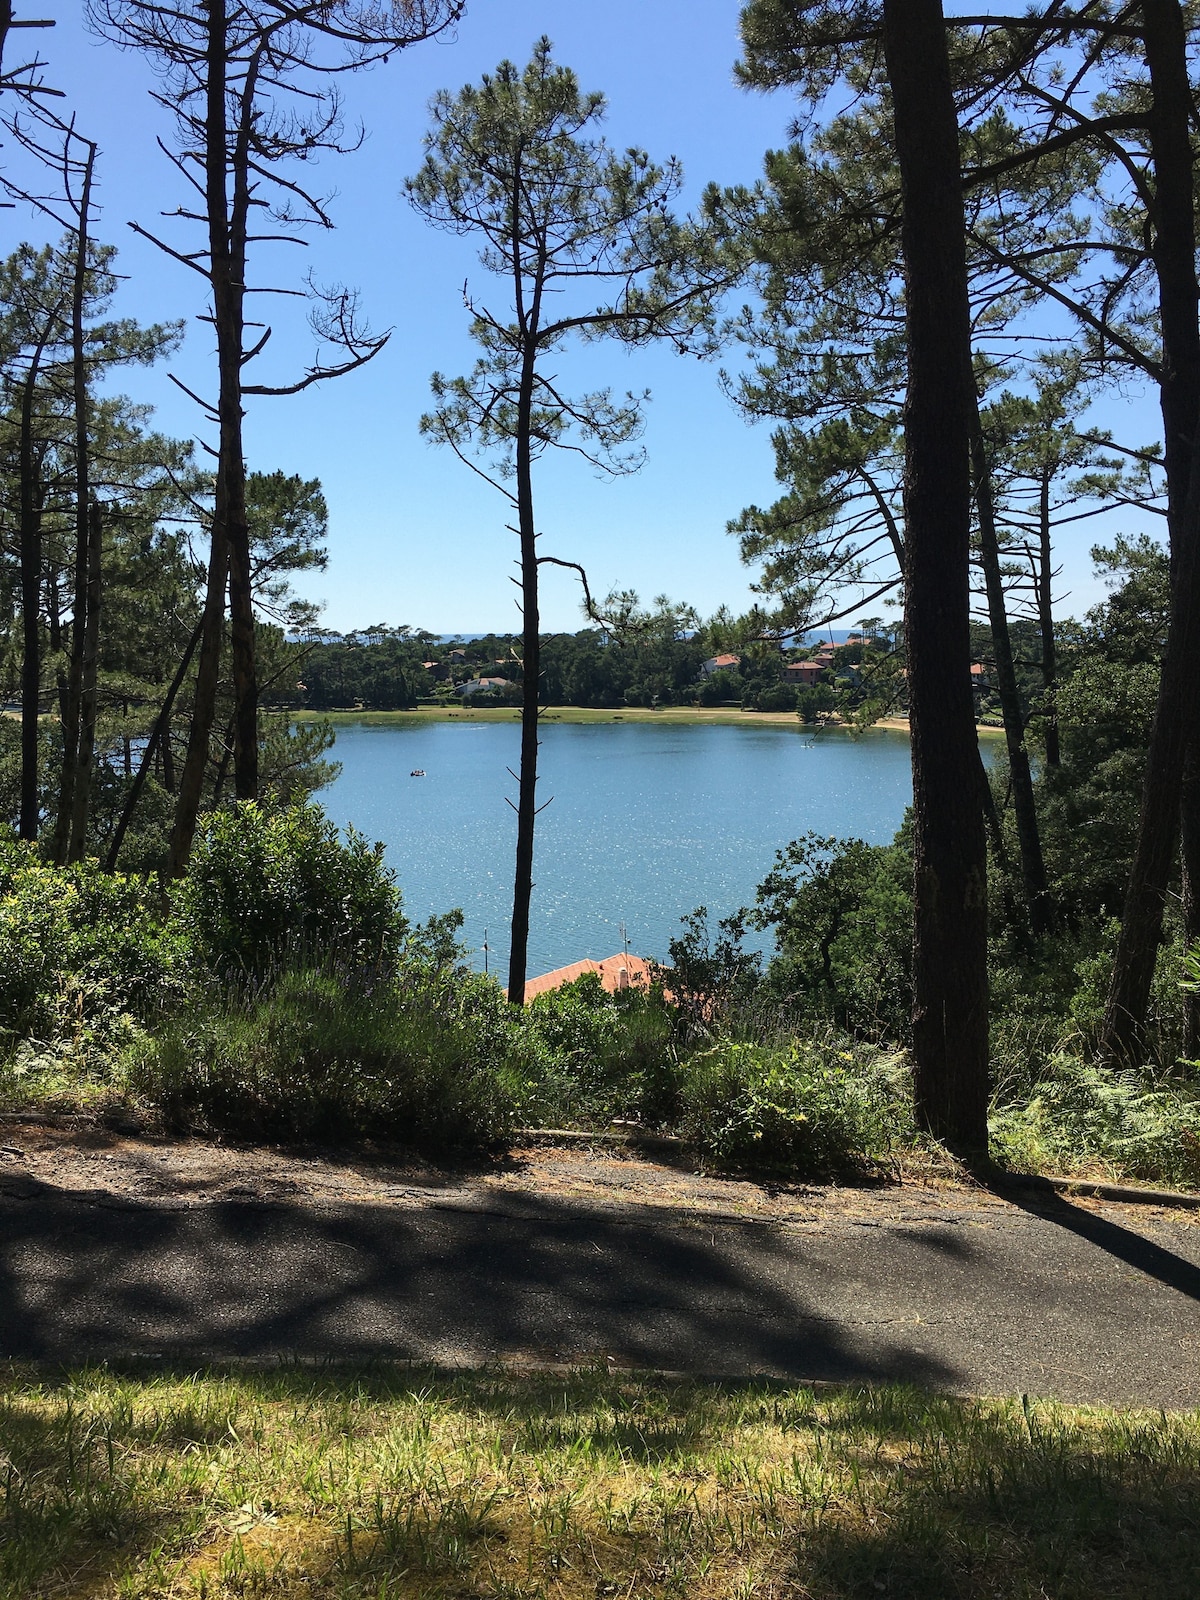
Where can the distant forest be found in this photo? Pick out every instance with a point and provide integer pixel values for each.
(382, 669)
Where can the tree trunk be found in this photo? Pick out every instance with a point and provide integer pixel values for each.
(204, 702)
(166, 755)
(159, 732)
(76, 772)
(527, 807)
(1029, 843)
(228, 226)
(222, 772)
(995, 836)
(1191, 893)
(1043, 581)
(1177, 714)
(89, 687)
(31, 597)
(226, 303)
(950, 1021)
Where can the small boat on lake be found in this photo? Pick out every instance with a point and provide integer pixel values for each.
(417, 772)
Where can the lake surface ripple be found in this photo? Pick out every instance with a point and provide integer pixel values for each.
(644, 822)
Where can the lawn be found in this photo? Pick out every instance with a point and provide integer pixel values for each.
(397, 1483)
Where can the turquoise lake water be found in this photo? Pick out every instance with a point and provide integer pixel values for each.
(645, 822)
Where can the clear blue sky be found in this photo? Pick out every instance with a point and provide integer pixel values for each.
(414, 537)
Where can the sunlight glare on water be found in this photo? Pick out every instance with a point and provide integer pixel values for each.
(646, 822)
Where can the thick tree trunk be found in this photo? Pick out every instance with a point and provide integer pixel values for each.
(527, 807)
(950, 1020)
(1029, 842)
(1177, 715)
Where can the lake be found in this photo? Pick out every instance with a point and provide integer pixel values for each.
(644, 823)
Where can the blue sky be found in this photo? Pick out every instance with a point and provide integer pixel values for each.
(414, 537)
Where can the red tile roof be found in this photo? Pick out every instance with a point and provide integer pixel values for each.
(637, 975)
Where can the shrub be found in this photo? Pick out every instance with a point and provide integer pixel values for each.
(322, 1054)
(708, 975)
(263, 888)
(77, 943)
(777, 697)
(841, 911)
(817, 1109)
(1081, 1115)
(595, 1056)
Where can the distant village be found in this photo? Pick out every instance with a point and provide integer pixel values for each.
(399, 669)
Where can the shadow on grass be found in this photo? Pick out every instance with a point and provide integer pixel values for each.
(569, 1484)
(1016, 1501)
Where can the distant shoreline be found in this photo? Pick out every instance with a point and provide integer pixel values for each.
(674, 716)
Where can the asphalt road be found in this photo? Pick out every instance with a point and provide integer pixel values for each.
(961, 1294)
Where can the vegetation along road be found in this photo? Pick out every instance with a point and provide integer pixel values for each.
(118, 1247)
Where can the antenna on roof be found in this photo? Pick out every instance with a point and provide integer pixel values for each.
(624, 939)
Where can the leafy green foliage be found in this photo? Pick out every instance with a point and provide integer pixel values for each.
(820, 1108)
(322, 1054)
(1083, 1115)
(76, 944)
(1106, 699)
(842, 915)
(263, 886)
(709, 975)
(596, 1057)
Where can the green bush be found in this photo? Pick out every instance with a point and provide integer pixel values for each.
(841, 912)
(1163, 1035)
(322, 1054)
(1081, 1115)
(266, 887)
(820, 1108)
(776, 697)
(593, 1056)
(77, 943)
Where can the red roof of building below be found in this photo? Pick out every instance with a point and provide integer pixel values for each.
(637, 975)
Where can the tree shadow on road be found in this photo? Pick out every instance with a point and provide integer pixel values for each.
(1132, 1248)
(86, 1278)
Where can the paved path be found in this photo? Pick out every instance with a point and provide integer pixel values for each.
(950, 1288)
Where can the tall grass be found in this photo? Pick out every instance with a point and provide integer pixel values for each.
(314, 1052)
(415, 1485)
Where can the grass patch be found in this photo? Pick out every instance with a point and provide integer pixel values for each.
(723, 716)
(393, 1484)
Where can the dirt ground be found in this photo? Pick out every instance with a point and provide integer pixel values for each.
(87, 1158)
